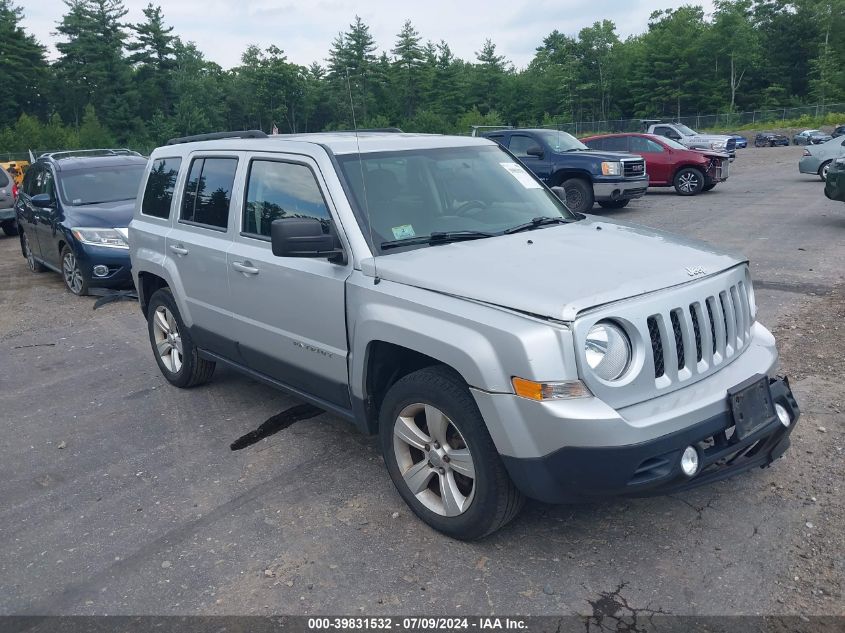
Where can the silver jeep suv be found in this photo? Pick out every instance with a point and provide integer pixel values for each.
(432, 290)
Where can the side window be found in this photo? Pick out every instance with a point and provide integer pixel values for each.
(208, 191)
(616, 144)
(158, 193)
(662, 130)
(32, 180)
(45, 183)
(281, 190)
(519, 145)
(594, 143)
(644, 145)
(4, 179)
(496, 137)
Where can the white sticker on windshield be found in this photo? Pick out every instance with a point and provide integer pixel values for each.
(403, 232)
(521, 175)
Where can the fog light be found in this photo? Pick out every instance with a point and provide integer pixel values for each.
(783, 414)
(689, 461)
(100, 270)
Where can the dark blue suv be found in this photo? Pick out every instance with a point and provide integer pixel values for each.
(73, 214)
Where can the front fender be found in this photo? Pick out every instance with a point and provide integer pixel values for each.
(485, 344)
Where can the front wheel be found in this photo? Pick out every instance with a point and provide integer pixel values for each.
(689, 181)
(177, 356)
(579, 195)
(441, 457)
(823, 170)
(614, 204)
(72, 274)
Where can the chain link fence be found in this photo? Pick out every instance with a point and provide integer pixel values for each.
(705, 121)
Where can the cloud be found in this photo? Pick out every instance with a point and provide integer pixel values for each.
(223, 29)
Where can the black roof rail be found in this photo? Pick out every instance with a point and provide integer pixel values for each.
(88, 152)
(392, 130)
(214, 136)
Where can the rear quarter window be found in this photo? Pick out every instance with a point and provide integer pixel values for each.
(158, 192)
(4, 179)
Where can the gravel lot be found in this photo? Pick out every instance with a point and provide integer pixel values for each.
(120, 494)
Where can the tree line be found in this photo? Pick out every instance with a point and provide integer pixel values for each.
(137, 84)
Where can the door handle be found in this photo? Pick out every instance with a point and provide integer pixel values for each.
(245, 267)
(178, 249)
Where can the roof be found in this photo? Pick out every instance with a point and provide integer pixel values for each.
(336, 142)
(71, 163)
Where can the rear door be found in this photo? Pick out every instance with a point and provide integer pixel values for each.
(198, 244)
(289, 312)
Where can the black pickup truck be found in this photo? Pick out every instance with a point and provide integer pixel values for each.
(586, 176)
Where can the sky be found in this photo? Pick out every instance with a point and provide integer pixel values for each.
(222, 29)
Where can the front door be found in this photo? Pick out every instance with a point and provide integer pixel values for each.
(657, 158)
(198, 244)
(289, 312)
(540, 166)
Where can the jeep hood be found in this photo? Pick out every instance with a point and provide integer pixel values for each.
(558, 271)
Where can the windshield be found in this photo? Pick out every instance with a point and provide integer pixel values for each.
(100, 185)
(560, 141)
(417, 193)
(683, 129)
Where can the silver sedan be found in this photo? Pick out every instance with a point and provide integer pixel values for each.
(817, 158)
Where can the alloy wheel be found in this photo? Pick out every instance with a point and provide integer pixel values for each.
(30, 256)
(434, 459)
(71, 273)
(167, 339)
(688, 182)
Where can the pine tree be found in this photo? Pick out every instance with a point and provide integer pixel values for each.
(23, 67)
(152, 56)
(408, 58)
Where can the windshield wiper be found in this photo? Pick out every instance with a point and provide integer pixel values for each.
(437, 237)
(536, 223)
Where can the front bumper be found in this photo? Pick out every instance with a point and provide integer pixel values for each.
(573, 474)
(620, 189)
(809, 165)
(116, 259)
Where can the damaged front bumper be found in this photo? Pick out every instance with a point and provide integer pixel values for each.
(573, 474)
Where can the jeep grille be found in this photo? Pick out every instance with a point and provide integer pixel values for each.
(678, 341)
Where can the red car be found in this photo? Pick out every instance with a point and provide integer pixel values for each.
(668, 163)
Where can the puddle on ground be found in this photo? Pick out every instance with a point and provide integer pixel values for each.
(276, 423)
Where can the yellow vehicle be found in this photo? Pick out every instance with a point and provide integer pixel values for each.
(16, 168)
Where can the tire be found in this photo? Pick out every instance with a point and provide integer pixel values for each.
(72, 275)
(614, 204)
(34, 265)
(174, 350)
(823, 169)
(689, 181)
(10, 227)
(479, 504)
(709, 187)
(579, 195)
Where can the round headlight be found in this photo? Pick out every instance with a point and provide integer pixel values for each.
(607, 350)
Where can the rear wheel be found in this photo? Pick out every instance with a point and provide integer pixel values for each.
(689, 181)
(10, 227)
(34, 265)
(72, 274)
(614, 204)
(579, 195)
(825, 167)
(441, 457)
(177, 356)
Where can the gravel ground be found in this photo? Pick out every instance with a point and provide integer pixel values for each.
(121, 494)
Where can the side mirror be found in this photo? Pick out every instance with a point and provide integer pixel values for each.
(43, 200)
(535, 150)
(303, 237)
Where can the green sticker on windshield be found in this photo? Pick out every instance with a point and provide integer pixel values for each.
(403, 232)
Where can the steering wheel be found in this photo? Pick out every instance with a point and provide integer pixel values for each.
(469, 205)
